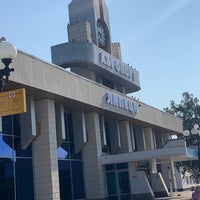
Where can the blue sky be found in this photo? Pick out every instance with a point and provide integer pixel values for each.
(160, 38)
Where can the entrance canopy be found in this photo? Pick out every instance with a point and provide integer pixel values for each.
(175, 150)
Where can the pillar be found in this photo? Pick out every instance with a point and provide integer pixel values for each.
(149, 142)
(168, 173)
(45, 162)
(125, 135)
(174, 184)
(93, 170)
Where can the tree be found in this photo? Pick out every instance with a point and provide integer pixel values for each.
(189, 111)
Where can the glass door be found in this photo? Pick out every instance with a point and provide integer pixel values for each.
(118, 185)
(124, 186)
(112, 186)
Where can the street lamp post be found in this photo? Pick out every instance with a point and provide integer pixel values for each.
(195, 132)
(7, 53)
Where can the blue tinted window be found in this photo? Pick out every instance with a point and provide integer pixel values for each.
(65, 179)
(123, 179)
(70, 166)
(11, 125)
(78, 180)
(16, 173)
(110, 167)
(24, 179)
(23, 153)
(111, 183)
(6, 179)
(7, 127)
(122, 166)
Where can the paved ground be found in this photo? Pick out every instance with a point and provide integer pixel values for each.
(183, 195)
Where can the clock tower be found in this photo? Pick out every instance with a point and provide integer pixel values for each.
(93, 17)
(89, 51)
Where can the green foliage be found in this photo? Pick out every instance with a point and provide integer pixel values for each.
(189, 111)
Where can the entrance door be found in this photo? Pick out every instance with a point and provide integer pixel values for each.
(118, 185)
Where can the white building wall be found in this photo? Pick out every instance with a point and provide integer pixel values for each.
(93, 170)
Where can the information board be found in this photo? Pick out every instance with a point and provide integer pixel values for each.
(12, 102)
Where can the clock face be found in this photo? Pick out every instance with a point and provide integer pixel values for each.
(101, 35)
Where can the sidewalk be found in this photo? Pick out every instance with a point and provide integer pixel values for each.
(182, 195)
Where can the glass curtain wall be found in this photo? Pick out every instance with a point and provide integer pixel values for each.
(16, 175)
(16, 172)
(70, 166)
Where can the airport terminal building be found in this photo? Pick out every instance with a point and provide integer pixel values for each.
(83, 137)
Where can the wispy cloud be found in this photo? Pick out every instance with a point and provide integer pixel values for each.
(177, 6)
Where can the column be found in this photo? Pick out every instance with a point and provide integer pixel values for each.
(125, 135)
(173, 177)
(149, 142)
(168, 173)
(45, 162)
(93, 170)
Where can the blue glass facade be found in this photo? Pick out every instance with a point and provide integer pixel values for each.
(16, 177)
(70, 166)
(16, 171)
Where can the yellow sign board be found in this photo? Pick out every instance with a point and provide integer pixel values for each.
(12, 102)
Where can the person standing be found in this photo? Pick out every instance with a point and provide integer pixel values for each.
(196, 193)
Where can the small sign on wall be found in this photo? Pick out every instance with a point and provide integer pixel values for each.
(12, 102)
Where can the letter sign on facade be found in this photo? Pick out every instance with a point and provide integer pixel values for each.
(121, 102)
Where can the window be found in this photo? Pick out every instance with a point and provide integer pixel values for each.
(70, 166)
(16, 174)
